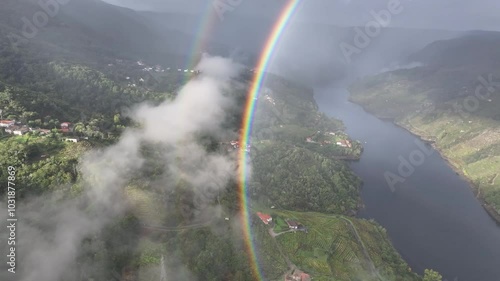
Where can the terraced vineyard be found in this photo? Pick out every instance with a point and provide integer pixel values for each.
(330, 248)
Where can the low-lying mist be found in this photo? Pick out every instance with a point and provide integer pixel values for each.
(52, 228)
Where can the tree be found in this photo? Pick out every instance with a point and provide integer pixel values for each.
(117, 118)
(431, 275)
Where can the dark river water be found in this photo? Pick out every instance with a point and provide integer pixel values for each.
(432, 218)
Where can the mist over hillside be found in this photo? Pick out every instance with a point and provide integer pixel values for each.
(310, 53)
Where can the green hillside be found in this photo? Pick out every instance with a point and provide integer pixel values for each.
(453, 100)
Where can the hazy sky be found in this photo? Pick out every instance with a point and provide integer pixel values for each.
(440, 14)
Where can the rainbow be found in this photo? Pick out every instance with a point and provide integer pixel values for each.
(206, 27)
(207, 24)
(246, 130)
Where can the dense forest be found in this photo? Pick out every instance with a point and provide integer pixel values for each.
(295, 178)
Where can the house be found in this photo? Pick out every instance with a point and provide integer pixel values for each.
(21, 131)
(266, 219)
(75, 140)
(16, 130)
(66, 127)
(297, 275)
(292, 224)
(7, 123)
(41, 131)
(10, 129)
(305, 277)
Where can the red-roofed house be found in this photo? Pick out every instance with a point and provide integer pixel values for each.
(7, 123)
(305, 277)
(66, 127)
(266, 219)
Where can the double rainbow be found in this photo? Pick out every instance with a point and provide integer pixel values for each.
(206, 26)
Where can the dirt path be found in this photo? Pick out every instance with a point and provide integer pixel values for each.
(274, 234)
(494, 179)
(373, 269)
(290, 265)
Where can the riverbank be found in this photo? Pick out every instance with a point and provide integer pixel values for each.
(460, 170)
(456, 167)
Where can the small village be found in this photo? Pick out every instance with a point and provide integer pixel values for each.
(14, 128)
(140, 72)
(337, 138)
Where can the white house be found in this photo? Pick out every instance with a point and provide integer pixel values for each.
(16, 130)
(75, 140)
(21, 131)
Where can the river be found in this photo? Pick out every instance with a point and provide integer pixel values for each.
(433, 218)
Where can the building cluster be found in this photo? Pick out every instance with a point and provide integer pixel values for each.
(188, 70)
(235, 144)
(156, 68)
(15, 128)
(344, 143)
(270, 99)
(147, 68)
(18, 129)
